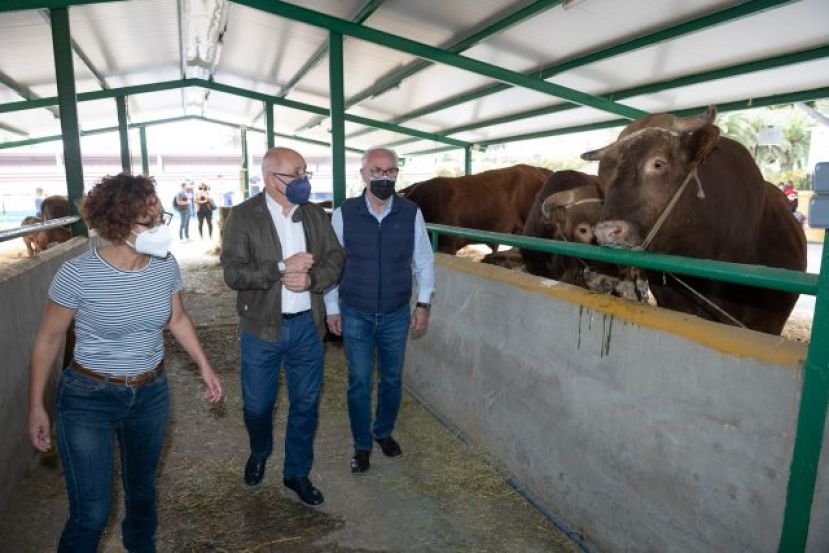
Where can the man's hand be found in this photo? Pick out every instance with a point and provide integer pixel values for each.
(296, 282)
(420, 320)
(299, 263)
(335, 324)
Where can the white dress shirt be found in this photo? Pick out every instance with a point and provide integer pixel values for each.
(423, 258)
(292, 240)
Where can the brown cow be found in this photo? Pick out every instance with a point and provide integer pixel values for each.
(567, 208)
(497, 201)
(729, 214)
(52, 207)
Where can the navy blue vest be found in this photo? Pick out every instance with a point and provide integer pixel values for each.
(378, 256)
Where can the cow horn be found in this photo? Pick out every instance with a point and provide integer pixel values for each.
(691, 124)
(595, 155)
(547, 206)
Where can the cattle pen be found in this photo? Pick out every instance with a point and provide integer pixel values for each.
(631, 428)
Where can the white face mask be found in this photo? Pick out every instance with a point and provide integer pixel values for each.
(155, 241)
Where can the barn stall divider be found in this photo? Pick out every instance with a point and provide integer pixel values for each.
(641, 427)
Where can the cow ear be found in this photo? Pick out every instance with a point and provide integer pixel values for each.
(703, 141)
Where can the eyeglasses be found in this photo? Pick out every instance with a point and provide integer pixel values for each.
(164, 219)
(305, 175)
(376, 172)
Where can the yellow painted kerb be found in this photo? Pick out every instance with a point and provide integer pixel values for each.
(726, 339)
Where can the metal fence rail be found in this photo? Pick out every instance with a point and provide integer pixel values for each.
(814, 398)
(12, 233)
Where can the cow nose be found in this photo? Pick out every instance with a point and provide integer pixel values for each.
(612, 233)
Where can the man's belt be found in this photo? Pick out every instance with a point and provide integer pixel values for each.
(132, 381)
(288, 316)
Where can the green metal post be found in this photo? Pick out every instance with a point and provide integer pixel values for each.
(269, 137)
(245, 175)
(67, 102)
(810, 422)
(467, 160)
(124, 133)
(335, 80)
(434, 235)
(145, 157)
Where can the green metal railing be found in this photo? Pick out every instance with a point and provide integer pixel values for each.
(815, 390)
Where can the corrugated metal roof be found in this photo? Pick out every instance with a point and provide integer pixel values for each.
(135, 42)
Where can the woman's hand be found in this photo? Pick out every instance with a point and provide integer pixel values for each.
(39, 429)
(214, 392)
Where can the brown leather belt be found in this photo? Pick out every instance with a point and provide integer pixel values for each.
(132, 381)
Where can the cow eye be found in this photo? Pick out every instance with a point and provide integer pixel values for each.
(659, 163)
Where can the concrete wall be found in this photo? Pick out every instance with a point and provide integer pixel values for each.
(643, 429)
(23, 287)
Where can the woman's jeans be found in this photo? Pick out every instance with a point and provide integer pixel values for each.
(90, 413)
(362, 334)
(184, 227)
(300, 349)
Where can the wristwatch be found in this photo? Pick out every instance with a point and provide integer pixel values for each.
(423, 305)
(281, 266)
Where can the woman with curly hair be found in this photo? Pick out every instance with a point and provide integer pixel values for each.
(121, 296)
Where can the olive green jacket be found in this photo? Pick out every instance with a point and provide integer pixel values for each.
(250, 252)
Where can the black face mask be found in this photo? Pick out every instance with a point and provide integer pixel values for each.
(382, 187)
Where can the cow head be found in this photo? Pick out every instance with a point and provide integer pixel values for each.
(641, 172)
(573, 213)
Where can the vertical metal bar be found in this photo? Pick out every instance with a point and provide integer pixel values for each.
(467, 160)
(67, 103)
(145, 158)
(269, 137)
(810, 422)
(335, 86)
(245, 176)
(124, 133)
(434, 235)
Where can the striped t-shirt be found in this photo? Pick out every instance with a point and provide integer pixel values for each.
(119, 315)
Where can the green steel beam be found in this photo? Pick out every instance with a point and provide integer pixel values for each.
(751, 103)
(749, 275)
(12, 129)
(269, 138)
(24, 92)
(335, 80)
(394, 78)
(811, 421)
(658, 86)
(419, 49)
(16, 5)
(369, 8)
(172, 85)
(124, 133)
(166, 121)
(467, 160)
(694, 25)
(145, 156)
(81, 55)
(245, 172)
(67, 102)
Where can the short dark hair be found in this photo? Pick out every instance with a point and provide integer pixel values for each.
(114, 205)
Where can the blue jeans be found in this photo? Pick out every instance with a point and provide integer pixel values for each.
(90, 414)
(300, 348)
(184, 227)
(362, 334)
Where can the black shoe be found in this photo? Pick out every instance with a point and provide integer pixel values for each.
(306, 491)
(359, 463)
(389, 447)
(254, 471)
